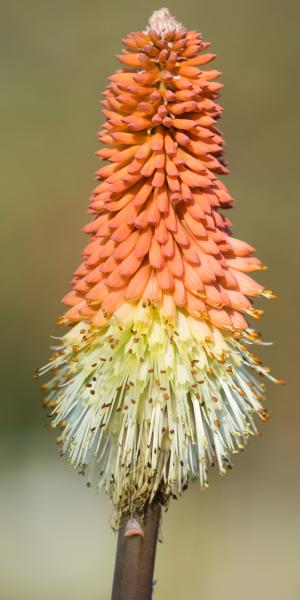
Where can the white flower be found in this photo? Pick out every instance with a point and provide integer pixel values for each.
(145, 405)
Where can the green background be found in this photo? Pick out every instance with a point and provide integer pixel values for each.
(240, 538)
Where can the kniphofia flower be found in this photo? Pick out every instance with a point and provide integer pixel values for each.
(156, 379)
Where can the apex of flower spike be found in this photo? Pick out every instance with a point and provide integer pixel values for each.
(162, 22)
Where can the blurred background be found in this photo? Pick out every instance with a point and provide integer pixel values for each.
(241, 537)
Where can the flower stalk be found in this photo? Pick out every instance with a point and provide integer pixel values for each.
(134, 567)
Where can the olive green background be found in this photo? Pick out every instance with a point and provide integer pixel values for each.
(240, 539)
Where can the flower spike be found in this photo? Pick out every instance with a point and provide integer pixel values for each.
(155, 380)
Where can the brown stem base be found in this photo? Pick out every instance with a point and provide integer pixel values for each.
(133, 576)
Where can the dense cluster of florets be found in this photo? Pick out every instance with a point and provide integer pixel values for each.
(155, 380)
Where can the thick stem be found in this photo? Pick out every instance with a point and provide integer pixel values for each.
(133, 576)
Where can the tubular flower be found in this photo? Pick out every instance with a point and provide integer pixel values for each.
(155, 379)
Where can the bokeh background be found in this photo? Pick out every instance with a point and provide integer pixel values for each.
(241, 538)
